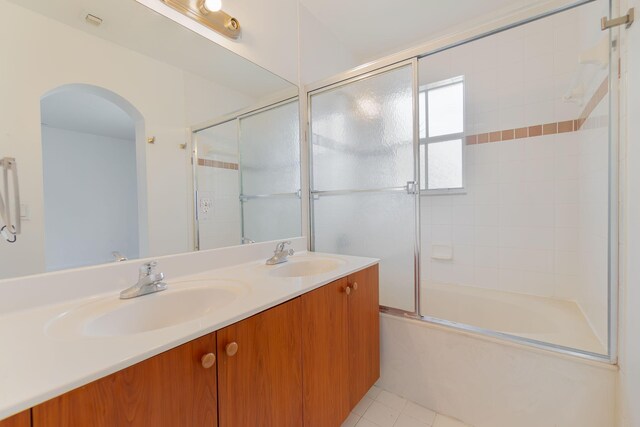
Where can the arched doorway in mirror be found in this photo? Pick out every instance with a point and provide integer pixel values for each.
(94, 177)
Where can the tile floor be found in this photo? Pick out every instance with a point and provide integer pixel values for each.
(379, 408)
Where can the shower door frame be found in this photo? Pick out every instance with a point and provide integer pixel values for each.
(407, 56)
(413, 64)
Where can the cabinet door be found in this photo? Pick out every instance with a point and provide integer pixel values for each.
(260, 369)
(22, 419)
(325, 347)
(364, 333)
(171, 389)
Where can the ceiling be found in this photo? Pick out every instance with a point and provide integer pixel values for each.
(134, 26)
(81, 111)
(372, 29)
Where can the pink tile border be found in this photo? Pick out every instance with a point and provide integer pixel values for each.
(217, 164)
(547, 128)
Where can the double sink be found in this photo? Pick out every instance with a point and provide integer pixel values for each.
(182, 302)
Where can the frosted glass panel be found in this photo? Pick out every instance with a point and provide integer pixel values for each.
(379, 225)
(444, 161)
(271, 218)
(362, 133)
(446, 110)
(270, 151)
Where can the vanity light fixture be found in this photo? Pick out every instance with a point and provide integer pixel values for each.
(213, 5)
(208, 13)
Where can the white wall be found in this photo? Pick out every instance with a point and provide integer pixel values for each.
(85, 195)
(321, 54)
(629, 323)
(160, 92)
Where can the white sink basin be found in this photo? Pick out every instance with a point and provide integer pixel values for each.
(180, 303)
(308, 266)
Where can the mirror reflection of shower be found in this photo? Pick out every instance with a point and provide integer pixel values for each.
(247, 177)
(91, 208)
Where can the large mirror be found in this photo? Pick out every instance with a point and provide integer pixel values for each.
(133, 137)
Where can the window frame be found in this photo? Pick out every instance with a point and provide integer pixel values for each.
(426, 140)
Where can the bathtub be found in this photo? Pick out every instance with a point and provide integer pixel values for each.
(490, 382)
(550, 320)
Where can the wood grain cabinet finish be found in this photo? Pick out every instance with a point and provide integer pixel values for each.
(364, 333)
(260, 369)
(324, 355)
(170, 389)
(341, 346)
(23, 419)
(306, 362)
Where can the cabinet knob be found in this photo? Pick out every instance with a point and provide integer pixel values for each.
(208, 360)
(231, 349)
(347, 290)
(355, 286)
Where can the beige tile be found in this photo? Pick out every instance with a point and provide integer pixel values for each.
(366, 423)
(483, 138)
(565, 126)
(381, 415)
(391, 400)
(407, 421)
(550, 129)
(535, 130)
(374, 392)
(443, 421)
(419, 412)
(495, 136)
(363, 405)
(351, 420)
(508, 134)
(521, 133)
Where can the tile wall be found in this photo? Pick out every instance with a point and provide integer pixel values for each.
(533, 217)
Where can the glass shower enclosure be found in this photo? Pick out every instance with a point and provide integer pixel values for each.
(484, 176)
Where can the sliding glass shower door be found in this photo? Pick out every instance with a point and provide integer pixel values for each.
(364, 190)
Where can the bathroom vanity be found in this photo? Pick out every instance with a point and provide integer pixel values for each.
(305, 357)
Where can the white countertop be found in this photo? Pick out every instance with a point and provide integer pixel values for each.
(36, 365)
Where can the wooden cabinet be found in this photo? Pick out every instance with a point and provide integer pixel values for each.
(260, 369)
(23, 419)
(324, 355)
(341, 346)
(171, 389)
(306, 362)
(364, 333)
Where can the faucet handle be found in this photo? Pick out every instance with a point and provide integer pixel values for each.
(147, 268)
(280, 246)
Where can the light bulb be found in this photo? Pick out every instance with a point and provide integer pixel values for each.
(213, 5)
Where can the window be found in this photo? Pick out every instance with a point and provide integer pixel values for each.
(441, 107)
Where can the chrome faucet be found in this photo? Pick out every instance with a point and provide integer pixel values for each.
(280, 254)
(118, 256)
(148, 282)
